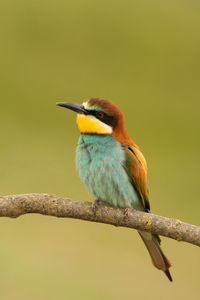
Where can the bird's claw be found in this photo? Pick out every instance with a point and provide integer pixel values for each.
(95, 205)
(127, 212)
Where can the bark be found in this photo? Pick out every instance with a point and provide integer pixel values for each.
(46, 204)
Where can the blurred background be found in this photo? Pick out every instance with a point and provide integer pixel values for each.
(144, 56)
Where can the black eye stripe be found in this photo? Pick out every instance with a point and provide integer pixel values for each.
(103, 117)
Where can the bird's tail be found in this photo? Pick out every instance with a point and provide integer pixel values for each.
(159, 260)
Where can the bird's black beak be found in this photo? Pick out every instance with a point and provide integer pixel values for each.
(73, 106)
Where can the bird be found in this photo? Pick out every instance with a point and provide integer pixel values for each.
(112, 167)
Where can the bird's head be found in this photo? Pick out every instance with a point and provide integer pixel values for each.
(100, 116)
(96, 116)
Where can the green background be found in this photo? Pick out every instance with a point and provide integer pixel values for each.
(143, 55)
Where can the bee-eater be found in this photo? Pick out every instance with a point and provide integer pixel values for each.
(112, 166)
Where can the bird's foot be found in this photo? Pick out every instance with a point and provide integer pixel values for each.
(95, 205)
(127, 211)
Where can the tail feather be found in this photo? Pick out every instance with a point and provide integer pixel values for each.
(159, 260)
(167, 273)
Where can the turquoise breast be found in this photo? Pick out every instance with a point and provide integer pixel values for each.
(100, 161)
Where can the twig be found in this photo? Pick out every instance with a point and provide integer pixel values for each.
(46, 204)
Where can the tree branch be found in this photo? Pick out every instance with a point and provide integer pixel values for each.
(46, 204)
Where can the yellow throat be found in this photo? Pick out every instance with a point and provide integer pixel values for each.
(89, 124)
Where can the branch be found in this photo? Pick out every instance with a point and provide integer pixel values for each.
(46, 204)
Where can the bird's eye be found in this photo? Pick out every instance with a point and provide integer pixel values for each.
(100, 114)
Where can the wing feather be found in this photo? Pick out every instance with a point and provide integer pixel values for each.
(137, 171)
